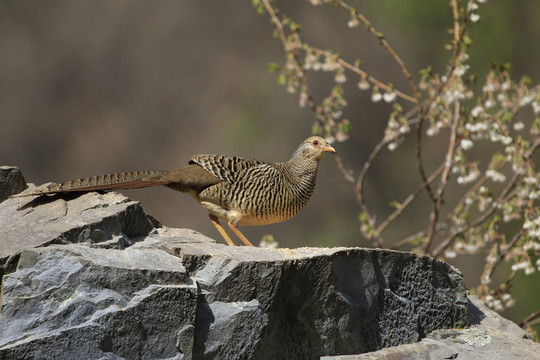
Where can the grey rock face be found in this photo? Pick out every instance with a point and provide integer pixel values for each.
(328, 301)
(67, 302)
(490, 337)
(91, 277)
(31, 222)
(11, 181)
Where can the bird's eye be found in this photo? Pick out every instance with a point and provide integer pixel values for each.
(315, 142)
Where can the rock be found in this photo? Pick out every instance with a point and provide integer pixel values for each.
(490, 337)
(86, 302)
(31, 222)
(94, 277)
(321, 301)
(11, 182)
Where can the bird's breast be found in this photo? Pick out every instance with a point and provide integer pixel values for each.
(258, 197)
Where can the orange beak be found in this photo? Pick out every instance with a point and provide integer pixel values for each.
(329, 148)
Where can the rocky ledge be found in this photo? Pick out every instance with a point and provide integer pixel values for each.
(92, 276)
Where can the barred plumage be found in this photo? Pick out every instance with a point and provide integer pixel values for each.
(240, 191)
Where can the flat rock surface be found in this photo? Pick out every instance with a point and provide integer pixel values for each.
(29, 221)
(90, 276)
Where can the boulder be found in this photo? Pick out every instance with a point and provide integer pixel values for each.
(92, 276)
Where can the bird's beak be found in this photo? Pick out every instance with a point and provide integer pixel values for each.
(329, 148)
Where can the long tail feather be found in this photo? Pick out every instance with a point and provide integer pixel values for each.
(189, 178)
(124, 180)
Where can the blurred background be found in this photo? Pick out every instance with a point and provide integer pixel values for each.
(94, 87)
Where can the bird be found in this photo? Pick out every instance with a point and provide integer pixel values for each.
(240, 191)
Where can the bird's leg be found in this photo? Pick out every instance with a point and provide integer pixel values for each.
(239, 234)
(221, 230)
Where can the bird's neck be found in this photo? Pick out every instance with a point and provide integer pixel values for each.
(300, 168)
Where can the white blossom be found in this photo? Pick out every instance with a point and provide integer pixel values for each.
(392, 146)
(389, 96)
(340, 78)
(469, 178)
(506, 140)
(470, 248)
(330, 64)
(353, 23)
(477, 110)
(527, 99)
(303, 98)
(481, 126)
(495, 175)
(404, 128)
(450, 254)
(520, 266)
(509, 149)
(475, 17)
(489, 87)
(376, 96)
(466, 144)
(460, 70)
(363, 85)
(536, 107)
(312, 62)
(519, 126)
(531, 245)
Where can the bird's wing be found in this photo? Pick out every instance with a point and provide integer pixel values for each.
(225, 168)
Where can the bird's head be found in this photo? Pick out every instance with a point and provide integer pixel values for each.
(313, 148)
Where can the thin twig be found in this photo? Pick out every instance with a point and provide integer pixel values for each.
(277, 23)
(448, 162)
(365, 75)
(359, 188)
(409, 199)
(529, 318)
(289, 49)
(384, 44)
(408, 240)
(502, 255)
(443, 245)
(450, 79)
